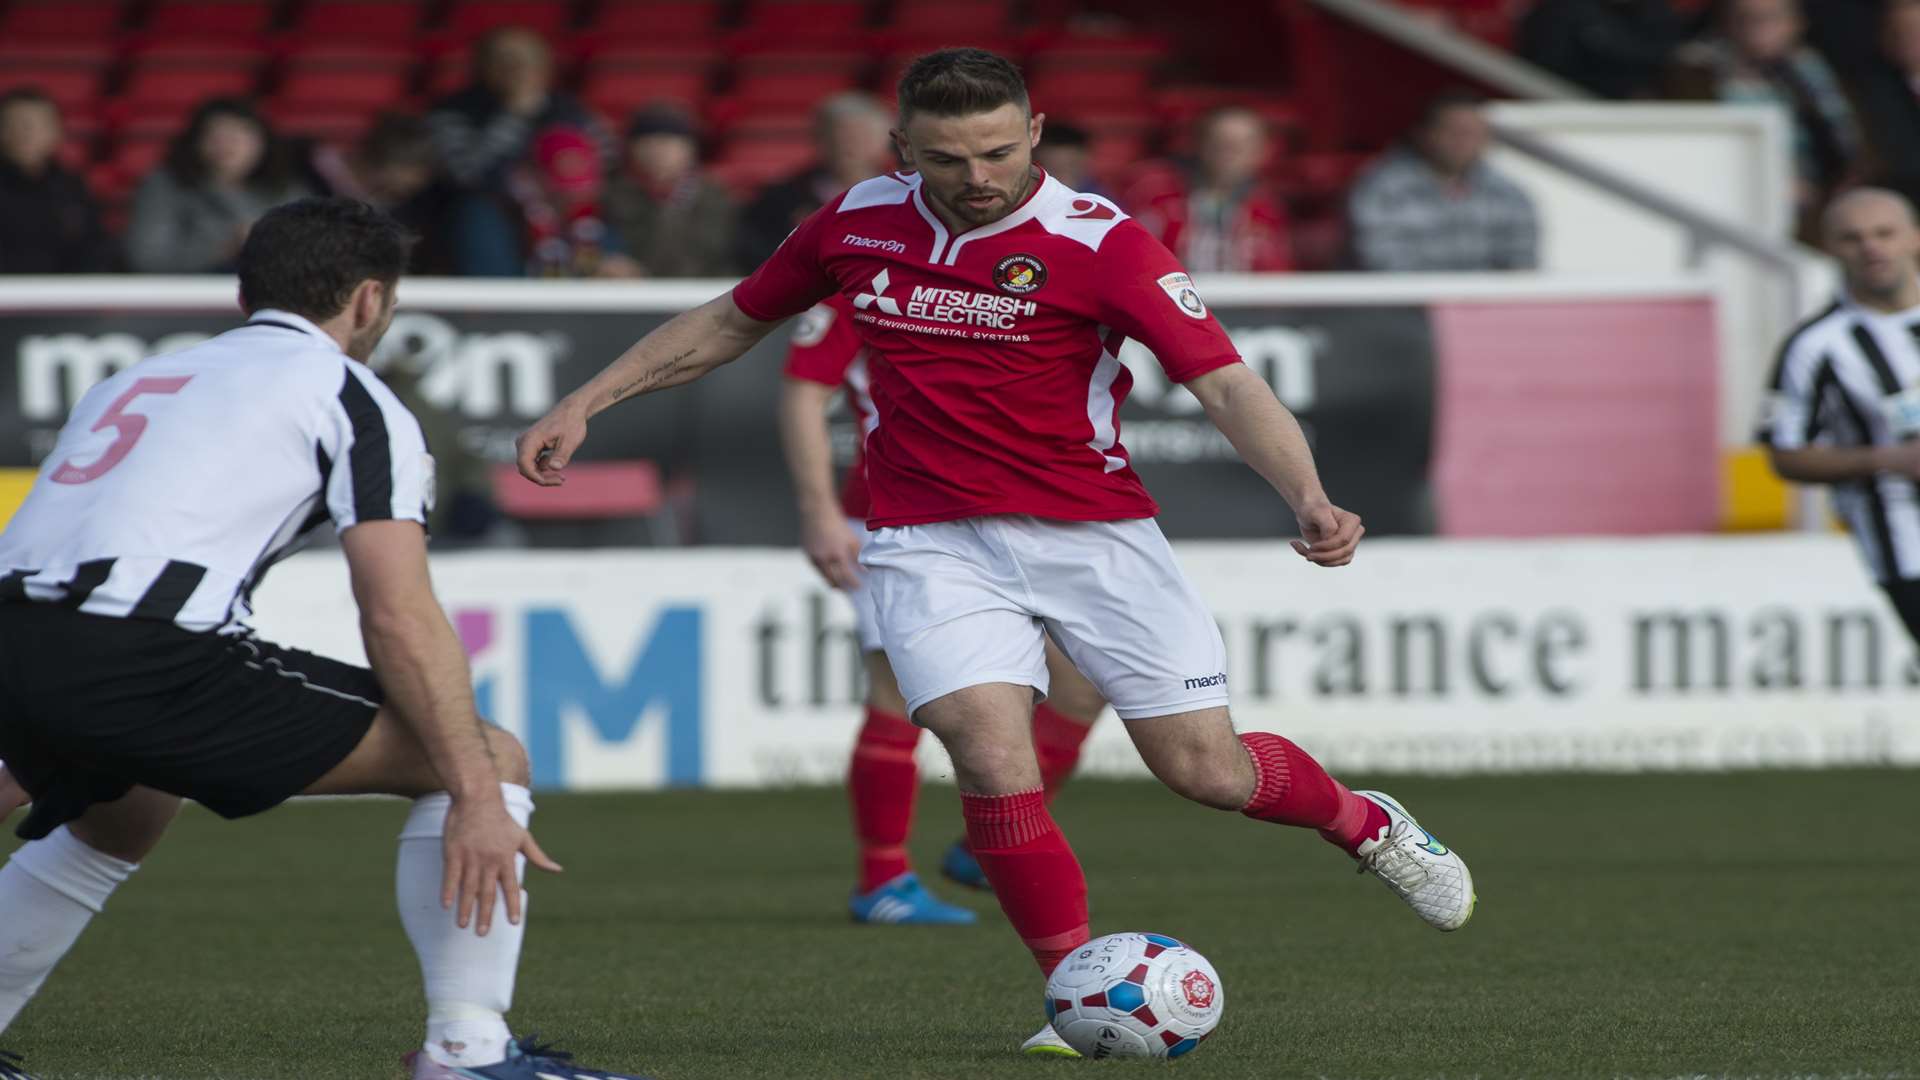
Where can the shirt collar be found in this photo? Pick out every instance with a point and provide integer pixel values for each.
(287, 319)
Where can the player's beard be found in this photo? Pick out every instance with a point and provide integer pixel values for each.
(1004, 203)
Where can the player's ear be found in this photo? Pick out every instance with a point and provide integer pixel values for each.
(369, 300)
(902, 146)
(1033, 129)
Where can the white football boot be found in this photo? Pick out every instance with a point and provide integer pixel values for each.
(1047, 1042)
(1421, 870)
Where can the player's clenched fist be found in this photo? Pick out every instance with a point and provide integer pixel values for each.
(543, 450)
(1328, 535)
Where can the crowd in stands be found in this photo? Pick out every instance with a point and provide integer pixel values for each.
(511, 175)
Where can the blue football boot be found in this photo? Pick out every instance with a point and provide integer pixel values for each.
(12, 1068)
(526, 1060)
(907, 902)
(960, 867)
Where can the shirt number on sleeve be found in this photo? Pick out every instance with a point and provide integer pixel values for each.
(128, 427)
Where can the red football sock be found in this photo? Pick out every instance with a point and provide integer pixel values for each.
(1056, 740)
(1290, 788)
(881, 783)
(1034, 874)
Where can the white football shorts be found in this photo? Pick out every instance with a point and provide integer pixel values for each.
(866, 621)
(961, 603)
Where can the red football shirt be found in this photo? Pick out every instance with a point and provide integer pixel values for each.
(996, 390)
(826, 349)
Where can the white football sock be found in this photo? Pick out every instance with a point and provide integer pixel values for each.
(49, 890)
(469, 978)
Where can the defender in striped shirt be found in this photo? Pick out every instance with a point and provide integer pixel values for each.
(1845, 403)
(128, 678)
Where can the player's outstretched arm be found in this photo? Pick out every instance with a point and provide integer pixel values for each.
(1268, 438)
(1838, 464)
(686, 347)
(417, 657)
(829, 543)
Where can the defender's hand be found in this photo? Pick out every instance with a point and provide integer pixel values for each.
(479, 846)
(832, 547)
(1328, 535)
(543, 450)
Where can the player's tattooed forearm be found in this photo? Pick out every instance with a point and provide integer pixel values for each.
(652, 379)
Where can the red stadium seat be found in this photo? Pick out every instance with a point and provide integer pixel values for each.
(61, 20)
(789, 91)
(777, 23)
(214, 18)
(159, 90)
(358, 21)
(335, 125)
(669, 20)
(746, 164)
(343, 88)
(1083, 86)
(617, 92)
(354, 56)
(22, 53)
(69, 87)
(470, 19)
(945, 19)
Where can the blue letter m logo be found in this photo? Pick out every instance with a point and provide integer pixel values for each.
(562, 677)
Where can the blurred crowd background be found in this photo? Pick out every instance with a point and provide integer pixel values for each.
(684, 138)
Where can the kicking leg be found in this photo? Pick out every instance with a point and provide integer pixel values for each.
(1269, 778)
(51, 888)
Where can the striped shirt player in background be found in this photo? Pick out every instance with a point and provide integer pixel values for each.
(1845, 404)
(1005, 510)
(129, 679)
(826, 356)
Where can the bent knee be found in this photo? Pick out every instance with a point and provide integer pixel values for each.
(509, 757)
(1204, 780)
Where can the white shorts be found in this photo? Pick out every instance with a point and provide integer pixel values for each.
(966, 602)
(866, 622)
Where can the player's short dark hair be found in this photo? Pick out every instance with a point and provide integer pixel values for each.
(960, 82)
(308, 256)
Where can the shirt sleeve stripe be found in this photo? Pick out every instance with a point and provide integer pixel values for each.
(370, 457)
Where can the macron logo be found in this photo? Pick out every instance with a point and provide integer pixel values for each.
(878, 298)
(1206, 681)
(893, 246)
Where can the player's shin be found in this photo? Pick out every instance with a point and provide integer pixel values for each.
(1034, 873)
(1291, 788)
(469, 978)
(882, 783)
(49, 890)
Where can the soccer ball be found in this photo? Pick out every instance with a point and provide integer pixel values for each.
(1134, 995)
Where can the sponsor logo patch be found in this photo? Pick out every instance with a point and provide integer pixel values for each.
(1218, 679)
(811, 328)
(893, 246)
(1020, 274)
(1179, 287)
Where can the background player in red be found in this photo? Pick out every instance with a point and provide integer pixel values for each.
(825, 357)
(1004, 507)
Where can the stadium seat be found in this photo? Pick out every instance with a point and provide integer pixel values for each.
(16, 54)
(208, 18)
(1079, 86)
(617, 92)
(358, 21)
(668, 20)
(344, 88)
(594, 489)
(61, 20)
(947, 20)
(70, 87)
(171, 89)
(470, 19)
(780, 23)
(788, 91)
(747, 164)
(341, 126)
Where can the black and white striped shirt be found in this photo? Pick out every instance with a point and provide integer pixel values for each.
(176, 483)
(1850, 376)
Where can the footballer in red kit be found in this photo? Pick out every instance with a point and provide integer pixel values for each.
(827, 356)
(994, 300)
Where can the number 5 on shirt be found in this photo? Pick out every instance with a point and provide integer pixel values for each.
(129, 426)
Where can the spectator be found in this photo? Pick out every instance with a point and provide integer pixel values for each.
(1066, 152)
(396, 168)
(220, 174)
(48, 222)
(485, 132)
(1615, 48)
(853, 140)
(1433, 204)
(1757, 55)
(556, 196)
(1217, 215)
(1888, 93)
(675, 221)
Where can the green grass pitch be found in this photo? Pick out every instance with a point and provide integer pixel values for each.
(1747, 925)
